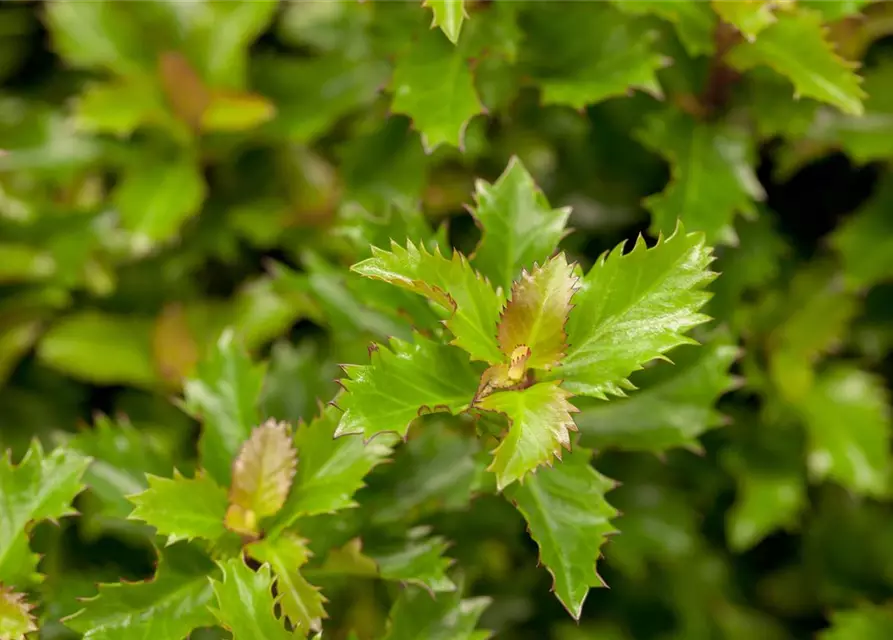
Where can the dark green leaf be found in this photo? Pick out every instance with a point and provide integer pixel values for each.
(417, 615)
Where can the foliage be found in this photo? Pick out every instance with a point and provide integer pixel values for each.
(614, 271)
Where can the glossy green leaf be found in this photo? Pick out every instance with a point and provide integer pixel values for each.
(568, 517)
(182, 508)
(633, 308)
(16, 619)
(40, 487)
(712, 174)
(433, 85)
(796, 47)
(448, 15)
(416, 614)
(540, 423)
(403, 381)
(749, 17)
(224, 396)
(867, 621)
(451, 283)
(245, 602)
(421, 562)
(168, 607)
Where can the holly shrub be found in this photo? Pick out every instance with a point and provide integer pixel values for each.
(427, 320)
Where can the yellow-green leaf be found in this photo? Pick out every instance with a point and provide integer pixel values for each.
(448, 15)
(15, 615)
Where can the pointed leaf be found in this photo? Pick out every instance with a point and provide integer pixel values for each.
(867, 622)
(301, 602)
(416, 615)
(262, 476)
(633, 308)
(448, 15)
(674, 407)
(568, 517)
(796, 46)
(15, 615)
(536, 314)
(433, 85)
(452, 284)
(847, 418)
(401, 383)
(540, 425)
(224, 396)
(40, 487)
(168, 607)
(712, 174)
(518, 226)
(182, 508)
(750, 17)
(245, 602)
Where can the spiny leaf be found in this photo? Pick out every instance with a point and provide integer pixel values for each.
(168, 607)
(535, 315)
(16, 619)
(262, 476)
(452, 284)
(182, 508)
(245, 602)
(796, 47)
(416, 615)
(448, 15)
(633, 308)
(401, 383)
(540, 425)
(433, 85)
(568, 517)
(750, 17)
(866, 622)
(40, 487)
(712, 174)
(518, 226)
(331, 469)
(224, 396)
(302, 603)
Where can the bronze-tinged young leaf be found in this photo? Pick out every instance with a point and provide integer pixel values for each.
(568, 517)
(535, 315)
(245, 602)
(712, 174)
(302, 603)
(796, 46)
(16, 618)
(433, 85)
(866, 622)
(451, 283)
(262, 476)
(632, 309)
(182, 508)
(448, 15)
(41, 487)
(540, 423)
(518, 226)
(401, 383)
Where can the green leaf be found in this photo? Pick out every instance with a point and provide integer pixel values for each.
(102, 349)
(614, 56)
(537, 311)
(229, 111)
(448, 15)
(864, 241)
(182, 508)
(245, 602)
(433, 85)
(540, 423)
(451, 283)
(568, 517)
(749, 17)
(330, 470)
(401, 383)
(518, 226)
(674, 407)
(16, 619)
(168, 607)
(694, 20)
(155, 197)
(797, 48)
(766, 500)
(301, 602)
(262, 477)
(833, 10)
(712, 174)
(847, 419)
(121, 107)
(868, 622)
(416, 615)
(40, 487)
(224, 396)
(632, 309)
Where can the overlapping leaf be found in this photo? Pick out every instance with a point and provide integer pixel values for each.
(568, 517)
(694, 20)
(245, 602)
(448, 617)
(749, 17)
(633, 308)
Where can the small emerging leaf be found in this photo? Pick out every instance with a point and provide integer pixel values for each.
(15, 615)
